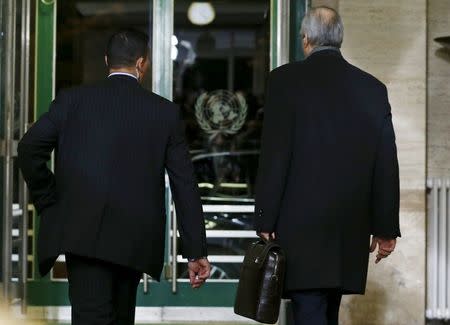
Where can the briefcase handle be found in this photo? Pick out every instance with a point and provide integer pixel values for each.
(268, 246)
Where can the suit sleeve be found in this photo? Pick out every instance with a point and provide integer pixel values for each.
(386, 184)
(275, 156)
(34, 152)
(185, 192)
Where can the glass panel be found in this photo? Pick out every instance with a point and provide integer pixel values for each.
(83, 29)
(23, 104)
(229, 221)
(219, 271)
(3, 22)
(14, 81)
(224, 246)
(220, 71)
(30, 270)
(30, 246)
(229, 174)
(220, 65)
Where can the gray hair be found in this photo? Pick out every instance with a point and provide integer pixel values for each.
(323, 26)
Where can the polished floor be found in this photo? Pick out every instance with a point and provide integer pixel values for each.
(37, 323)
(53, 323)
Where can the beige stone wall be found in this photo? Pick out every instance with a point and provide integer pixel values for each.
(395, 288)
(438, 90)
(329, 3)
(388, 39)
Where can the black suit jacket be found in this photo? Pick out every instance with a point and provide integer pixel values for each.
(114, 141)
(328, 173)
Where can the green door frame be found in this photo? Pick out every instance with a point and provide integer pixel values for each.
(44, 291)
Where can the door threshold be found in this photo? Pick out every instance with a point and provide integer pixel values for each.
(149, 315)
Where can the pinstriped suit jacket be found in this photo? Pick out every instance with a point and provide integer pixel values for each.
(113, 142)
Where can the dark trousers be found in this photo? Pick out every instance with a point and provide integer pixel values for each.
(101, 293)
(316, 307)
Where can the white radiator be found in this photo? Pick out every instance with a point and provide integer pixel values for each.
(438, 249)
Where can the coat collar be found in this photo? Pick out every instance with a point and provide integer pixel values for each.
(325, 51)
(122, 75)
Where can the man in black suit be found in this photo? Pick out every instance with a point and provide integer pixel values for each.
(104, 205)
(328, 174)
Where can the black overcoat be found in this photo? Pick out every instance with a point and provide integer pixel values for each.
(328, 174)
(106, 199)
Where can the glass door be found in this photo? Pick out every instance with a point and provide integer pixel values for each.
(221, 59)
(71, 37)
(14, 109)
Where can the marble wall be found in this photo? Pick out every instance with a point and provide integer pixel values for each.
(438, 90)
(388, 39)
(395, 288)
(329, 3)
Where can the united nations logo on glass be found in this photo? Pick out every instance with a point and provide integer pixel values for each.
(221, 112)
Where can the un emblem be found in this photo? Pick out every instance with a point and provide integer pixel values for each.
(221, 112)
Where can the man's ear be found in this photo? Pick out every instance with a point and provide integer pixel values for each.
(106, 60)
(305, 40)
(140, 63)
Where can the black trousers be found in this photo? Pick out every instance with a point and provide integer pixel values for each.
(316, 307)
(101, 293)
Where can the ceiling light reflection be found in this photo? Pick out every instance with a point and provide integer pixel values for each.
(201, 13)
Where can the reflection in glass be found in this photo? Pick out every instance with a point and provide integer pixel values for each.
(228, 246)
(83, 29)
(219, 82)
(220, 69)
(228, 221)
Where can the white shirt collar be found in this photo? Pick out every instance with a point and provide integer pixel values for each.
(122, 74)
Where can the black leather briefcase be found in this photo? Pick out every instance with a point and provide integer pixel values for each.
(261, 282)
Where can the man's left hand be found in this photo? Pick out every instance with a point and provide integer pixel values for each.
(199, 272)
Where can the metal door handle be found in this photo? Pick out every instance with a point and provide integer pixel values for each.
(174, 248)
(145, 279)
(8, 136)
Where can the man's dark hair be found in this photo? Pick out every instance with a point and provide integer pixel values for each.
(125, 47)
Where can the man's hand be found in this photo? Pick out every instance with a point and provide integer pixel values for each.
(385, 247)
(199, 271)
(267, 236)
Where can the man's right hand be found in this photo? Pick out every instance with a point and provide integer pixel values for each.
(199, 272)
(267, 236)
(385, 247)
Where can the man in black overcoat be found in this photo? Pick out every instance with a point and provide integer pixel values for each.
(328, 173)
(104, 206)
